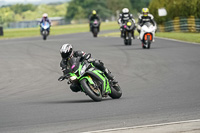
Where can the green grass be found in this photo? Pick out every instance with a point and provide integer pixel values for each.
(189, 37)
(67, 29)
(55, 30)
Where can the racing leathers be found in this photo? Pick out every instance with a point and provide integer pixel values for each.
(92, 18)
(123, 18)
(143, 19)
(65, 67)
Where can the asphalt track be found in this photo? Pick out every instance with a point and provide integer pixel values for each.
(159, 85)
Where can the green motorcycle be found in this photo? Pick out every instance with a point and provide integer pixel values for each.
(91, 81)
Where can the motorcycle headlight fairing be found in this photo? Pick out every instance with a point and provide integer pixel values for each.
(83, 69)
(129, 23)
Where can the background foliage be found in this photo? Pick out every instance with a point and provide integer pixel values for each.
(175, 8)
(21, 12)
(81, 9)
(105, 8)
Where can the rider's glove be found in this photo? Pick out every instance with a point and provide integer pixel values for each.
(90, 60)
(61, 78)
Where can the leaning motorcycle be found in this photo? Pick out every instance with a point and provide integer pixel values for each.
(91, 81)
(128, 32)
(147, 33)
(45, 27)
(95, 27)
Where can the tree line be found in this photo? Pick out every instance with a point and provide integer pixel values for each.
(23, 12)
(79, 9)
(75, 9)
(105, 8)
(175, 8)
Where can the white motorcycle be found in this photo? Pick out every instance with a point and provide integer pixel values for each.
(147, 33)
(45, 28)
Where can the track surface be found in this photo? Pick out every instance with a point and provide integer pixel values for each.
(159, 85)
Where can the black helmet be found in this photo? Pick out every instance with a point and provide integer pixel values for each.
(66, 51)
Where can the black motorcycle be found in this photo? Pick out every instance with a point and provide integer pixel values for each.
(128, 32)
(95, 27)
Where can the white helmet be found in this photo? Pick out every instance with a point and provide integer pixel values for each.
(125, 10)
(66, 51)
(45, 15)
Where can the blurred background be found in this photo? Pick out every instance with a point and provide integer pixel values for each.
(182, 15)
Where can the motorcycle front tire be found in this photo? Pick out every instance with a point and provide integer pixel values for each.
(85, 85)
(95, 32)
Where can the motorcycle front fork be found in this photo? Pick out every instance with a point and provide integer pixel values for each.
(126, 34)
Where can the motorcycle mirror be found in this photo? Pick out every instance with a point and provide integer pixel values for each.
(88, 56)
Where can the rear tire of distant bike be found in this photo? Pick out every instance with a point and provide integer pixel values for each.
(89, 91)
(129, 38)
(116, 92)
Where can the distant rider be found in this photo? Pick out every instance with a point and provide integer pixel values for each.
(123, 18)
(67, 53)
(45, 19)
(92, 17)
(145, 17)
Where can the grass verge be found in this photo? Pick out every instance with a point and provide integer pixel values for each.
(188, 37)
(55, 30)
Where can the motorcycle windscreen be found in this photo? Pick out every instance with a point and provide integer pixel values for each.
(74, 63)
(148, 24)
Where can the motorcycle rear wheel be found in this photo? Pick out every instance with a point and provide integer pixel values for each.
(116, 92)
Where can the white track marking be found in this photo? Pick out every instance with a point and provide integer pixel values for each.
(144, 126)
(177, 40)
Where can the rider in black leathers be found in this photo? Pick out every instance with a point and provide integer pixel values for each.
(67, 52)
(123, 18)
(92, 18)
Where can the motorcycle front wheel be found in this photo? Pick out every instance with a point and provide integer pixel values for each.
(129, 38)
(44, 37)
(95, 32)
(93, 93)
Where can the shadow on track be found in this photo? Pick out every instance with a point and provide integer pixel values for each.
(68, 102)
(65, 102)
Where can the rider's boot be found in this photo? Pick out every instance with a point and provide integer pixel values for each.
(110, 76)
